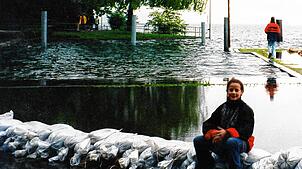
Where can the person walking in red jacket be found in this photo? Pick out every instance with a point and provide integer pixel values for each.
(272, 30)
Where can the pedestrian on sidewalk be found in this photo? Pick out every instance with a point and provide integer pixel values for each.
(272, 30)
(227, 133)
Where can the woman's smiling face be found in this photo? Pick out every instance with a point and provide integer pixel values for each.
(234, 91)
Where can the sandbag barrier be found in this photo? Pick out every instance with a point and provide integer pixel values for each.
(112, 147)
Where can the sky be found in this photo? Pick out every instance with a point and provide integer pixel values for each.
(244, 12)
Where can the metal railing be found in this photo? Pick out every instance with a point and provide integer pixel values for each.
(194, 31)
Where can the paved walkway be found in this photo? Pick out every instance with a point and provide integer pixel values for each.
(289, 62)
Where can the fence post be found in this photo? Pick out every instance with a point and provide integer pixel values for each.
(203, 33)
(226, 35)
(280, 37)
(133, 30)
(44, 29)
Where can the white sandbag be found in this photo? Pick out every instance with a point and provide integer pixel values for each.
(56, 127)
(3, 137)
(37, 126)
(191, 154)
(83, 147)
(185, 164)
(133, 156)
(4, 124)
(41, 129)
(129, 157)
(107, 141)
(32, 145)
(7, 116)
(62, 153)
(20, 153)
(124, 141)
(267, 162)
(59, 136)
(161, 147)
(299, 165)
(78, 137)
(101, 134)
(178, 149)
(75, 160)
(125, 160)
(108, 153)
(68, 136)
(254, 155)
(141, 143)
(148, 158)
(20, 130)
(192, 165)
(93, 155)
(289, 158)
(37, 147)
(166, 164)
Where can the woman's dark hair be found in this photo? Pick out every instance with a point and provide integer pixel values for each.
(273, 20)
(233, 80)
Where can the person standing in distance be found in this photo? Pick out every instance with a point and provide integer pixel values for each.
(272, 30)
(228, 132)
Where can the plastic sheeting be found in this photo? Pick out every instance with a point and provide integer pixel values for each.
(61, 142)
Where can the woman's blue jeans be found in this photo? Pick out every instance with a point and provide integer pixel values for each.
(272, 48)
(229, 150)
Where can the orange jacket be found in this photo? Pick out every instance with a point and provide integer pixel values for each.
(272, 28)
(233, 133)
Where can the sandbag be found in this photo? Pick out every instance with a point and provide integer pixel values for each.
(289, 158)
(101, 134)
(254, 155)
(5, 124)
(7, 116)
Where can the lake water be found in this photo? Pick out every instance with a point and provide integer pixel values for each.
(61, 85)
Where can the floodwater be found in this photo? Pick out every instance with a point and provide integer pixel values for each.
(169, 112)
(86, 85)
(120, 61)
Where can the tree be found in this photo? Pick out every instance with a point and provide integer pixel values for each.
(131, 5)
(167, 22)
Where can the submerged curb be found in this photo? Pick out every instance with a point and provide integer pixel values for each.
(281, 67)
(277, 65)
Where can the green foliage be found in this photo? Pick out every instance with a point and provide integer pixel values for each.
(117, 21)
(167, 22)
(196, 5)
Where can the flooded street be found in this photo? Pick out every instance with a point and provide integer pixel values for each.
(139, 89)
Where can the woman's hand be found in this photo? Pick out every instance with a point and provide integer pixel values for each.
(219, 136)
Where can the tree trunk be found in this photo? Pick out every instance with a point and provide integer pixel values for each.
(129, 16)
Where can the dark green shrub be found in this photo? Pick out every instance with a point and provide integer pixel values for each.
(167, 22)
(117, 21)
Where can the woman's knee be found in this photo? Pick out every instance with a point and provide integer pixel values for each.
(198, 140)
(232, 143)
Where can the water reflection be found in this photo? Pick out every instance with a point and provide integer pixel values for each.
(271, 87)
(153, 111)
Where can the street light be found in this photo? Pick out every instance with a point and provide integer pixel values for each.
(229, 25)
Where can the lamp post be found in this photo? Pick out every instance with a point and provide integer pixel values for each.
(229, 25)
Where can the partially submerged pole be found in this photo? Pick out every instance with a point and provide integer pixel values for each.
(44, 29)
(133, 30)
(203, 33)
(280, 38)
(210, 19)
(226, 35)
(229, 25)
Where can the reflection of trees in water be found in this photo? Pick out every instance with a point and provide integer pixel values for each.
(154, 111)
